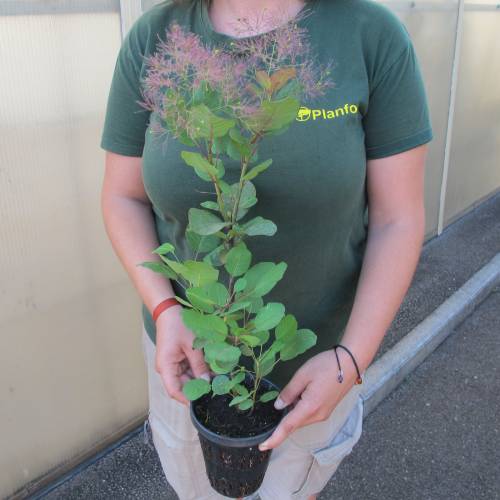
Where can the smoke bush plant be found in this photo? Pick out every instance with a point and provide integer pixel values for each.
(221, 102)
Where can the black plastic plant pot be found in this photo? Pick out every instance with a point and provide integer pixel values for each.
(234, 465)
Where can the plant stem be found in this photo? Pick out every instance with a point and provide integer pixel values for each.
(271, 60)
(220, 201)
(245, 163)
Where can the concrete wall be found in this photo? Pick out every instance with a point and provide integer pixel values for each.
(72, 376)
(71, 372)
(474, 170)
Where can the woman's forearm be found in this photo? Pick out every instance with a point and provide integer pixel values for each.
(390, 261)
(129, 224)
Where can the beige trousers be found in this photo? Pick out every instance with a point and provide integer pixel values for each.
(299, 467)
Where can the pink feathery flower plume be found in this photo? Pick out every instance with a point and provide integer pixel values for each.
(182, 65)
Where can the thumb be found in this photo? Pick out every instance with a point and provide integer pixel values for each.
(197, 363)
(292, 390)
(291, 421)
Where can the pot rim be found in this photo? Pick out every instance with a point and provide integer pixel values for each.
(235, 442)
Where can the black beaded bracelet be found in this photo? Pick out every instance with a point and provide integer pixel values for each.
(340, 376)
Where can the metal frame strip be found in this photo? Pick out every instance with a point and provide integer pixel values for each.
(451, 114)
(52, 7)
(130, 10)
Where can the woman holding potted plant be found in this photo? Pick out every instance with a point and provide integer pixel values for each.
(335, 152)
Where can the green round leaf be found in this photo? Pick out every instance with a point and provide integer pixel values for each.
(221, 384)
(222, 352)
(238, 399)
(236, 135)
(218, 367)
(241, 389)
(286, 328)
(182, 301)
(267, 396)
(245, 405)
(266, 362)
(282, 112)
(238, 306)
(207, 123)
(160, 267)
(240, 284)
(258, 226)
(257, 169)
(224, 186)
(203, 222)
(195, 388)
(199, 273)
(248, 194)
(239, 377)
(199, 243)
(269, 316)
(263, 276)
(165, 248)
(238, 259)
(251, 340)
(245, 350)
(201, 165)
(199, 343)
(208, 296)
(212, 205)
(214, 258)
(256, 304)
(263, 336)
(303, 340)
(204, 325)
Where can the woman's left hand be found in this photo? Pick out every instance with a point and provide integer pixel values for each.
(318, 391)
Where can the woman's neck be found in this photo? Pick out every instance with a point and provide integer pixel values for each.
(250, 17)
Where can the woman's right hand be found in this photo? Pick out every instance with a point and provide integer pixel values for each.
(176, 361)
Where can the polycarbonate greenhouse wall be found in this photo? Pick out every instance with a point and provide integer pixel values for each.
(72, 373)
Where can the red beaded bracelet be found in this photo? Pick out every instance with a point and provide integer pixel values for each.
(164, 304)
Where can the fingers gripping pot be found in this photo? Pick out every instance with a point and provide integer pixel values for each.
(234, 465)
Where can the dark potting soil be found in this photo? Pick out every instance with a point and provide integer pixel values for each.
(216, 415)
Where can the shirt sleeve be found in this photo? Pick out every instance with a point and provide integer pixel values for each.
(125, 121)
(397, 115)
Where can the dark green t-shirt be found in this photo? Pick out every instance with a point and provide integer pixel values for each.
(315, 189)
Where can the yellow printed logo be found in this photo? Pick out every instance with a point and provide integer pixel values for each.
(304, 114)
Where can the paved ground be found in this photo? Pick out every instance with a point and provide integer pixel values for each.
(436, 437)
(445, 264)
